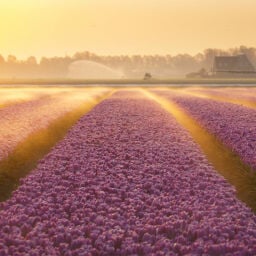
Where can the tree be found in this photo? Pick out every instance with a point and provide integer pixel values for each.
(31, 61)
(2, 60)
(11, 59)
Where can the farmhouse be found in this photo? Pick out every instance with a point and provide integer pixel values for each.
(233, 66)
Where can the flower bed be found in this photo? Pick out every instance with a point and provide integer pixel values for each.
(21, 120)
(126, 180)
(241, 95)
(234, 125)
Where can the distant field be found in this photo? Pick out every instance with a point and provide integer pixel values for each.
(172, 81)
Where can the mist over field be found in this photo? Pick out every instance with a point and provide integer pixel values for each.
(92, 70)
(92, 66)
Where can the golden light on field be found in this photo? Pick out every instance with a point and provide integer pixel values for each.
(9, 96)
(44, 27)
(15, 95)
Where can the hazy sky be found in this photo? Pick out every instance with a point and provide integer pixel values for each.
(59, 27)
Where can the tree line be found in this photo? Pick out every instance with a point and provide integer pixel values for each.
(159, 66)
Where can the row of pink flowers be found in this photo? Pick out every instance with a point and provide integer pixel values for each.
(233, 124)
(237, 94)
(20, 120)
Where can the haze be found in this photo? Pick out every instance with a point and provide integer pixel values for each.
(54, 27)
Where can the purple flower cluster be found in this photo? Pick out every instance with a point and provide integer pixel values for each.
(234, 125)
(126, 180)
(20, 120)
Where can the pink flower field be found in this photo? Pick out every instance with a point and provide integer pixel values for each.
(128, 178)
